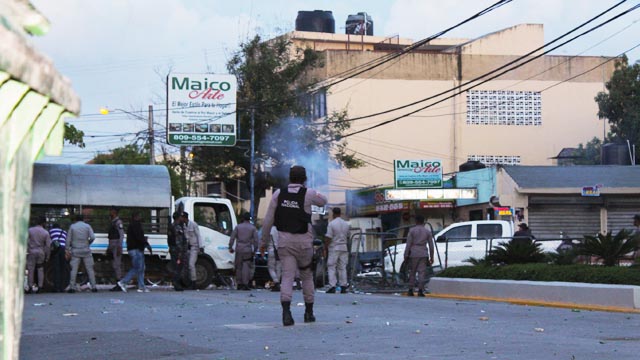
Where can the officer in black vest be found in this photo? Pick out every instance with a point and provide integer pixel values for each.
(290, 212)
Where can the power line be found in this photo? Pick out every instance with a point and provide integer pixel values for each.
(384, 59)
(517, 83)
(458, 92)
(404, 147)
(520, 58)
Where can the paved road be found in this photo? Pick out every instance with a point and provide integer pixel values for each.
(224, 324)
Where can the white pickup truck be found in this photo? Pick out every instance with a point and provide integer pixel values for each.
(460, 241)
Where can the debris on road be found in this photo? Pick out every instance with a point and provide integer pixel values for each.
(70, 314)
(39, 304)
(483, 318)
(539, 329)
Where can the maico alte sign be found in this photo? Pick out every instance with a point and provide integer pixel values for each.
(201, 109)
(413, 174)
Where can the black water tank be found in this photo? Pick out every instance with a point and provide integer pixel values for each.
(615, 154)
(471, 165)
(316, 21)
(359, 24)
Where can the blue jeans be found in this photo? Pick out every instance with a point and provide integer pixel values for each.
(137, 268)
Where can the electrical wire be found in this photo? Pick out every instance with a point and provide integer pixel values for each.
(518, 59)
(460, 90)
(348, 74)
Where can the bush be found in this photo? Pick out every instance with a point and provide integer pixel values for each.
(594, 274)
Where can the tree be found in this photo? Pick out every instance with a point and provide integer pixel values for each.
(275, 86)
(73, 136)
(129, 154)
(589, 154)
(133, 154)
(620, 104)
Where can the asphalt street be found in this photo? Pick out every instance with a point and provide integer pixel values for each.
(229, 324)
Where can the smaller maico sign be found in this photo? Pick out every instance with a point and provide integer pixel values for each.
(415, 174)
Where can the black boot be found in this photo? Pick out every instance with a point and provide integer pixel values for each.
(308, 313)
(287, 319)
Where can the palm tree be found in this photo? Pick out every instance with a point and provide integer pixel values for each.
(609, 248)
(516, 252)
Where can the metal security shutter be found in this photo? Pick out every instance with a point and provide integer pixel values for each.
(620, 212)
(619, 218)
(571, 216)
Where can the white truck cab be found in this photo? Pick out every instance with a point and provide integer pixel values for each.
(216, 220)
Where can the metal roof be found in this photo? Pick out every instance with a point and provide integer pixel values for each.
(101, 185)
(610, 176)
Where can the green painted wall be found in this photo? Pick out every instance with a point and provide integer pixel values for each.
(30, 127)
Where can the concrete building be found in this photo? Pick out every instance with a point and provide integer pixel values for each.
(556, 201)
(524, 117)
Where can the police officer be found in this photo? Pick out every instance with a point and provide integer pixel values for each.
(246, 236)
(194, 240)
(337, 233)
(417, 241)
(290, 212)
(79, 241)
(116, 237)
(38, 251)
(177, 249)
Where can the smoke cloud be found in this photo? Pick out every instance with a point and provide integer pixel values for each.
(293, 142)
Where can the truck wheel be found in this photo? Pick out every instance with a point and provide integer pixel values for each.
(205, 271)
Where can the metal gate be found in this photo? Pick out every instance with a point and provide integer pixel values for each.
(620, 215)
(553, 217)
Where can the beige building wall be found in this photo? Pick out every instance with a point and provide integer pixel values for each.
(516, 40)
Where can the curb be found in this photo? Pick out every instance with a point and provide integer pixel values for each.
(599, 297)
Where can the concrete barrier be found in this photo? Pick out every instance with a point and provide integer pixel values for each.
(566, 294)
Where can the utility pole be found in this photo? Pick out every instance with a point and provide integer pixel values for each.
(152, 152)
(251, 166)
(183, 170)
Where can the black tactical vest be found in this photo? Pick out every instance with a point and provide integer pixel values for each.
(290, 215)
(114, 233)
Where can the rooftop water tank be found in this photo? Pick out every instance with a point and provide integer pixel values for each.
(615, 154)
(471, 165)
(316, 21)
(359, 24)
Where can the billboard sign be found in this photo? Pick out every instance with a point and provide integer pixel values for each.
(417, 174)
(201, 109)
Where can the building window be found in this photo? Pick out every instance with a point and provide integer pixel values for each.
(495, 159)
(317, 104)
(497, 107)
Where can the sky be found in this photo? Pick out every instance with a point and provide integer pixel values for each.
(116, 52)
